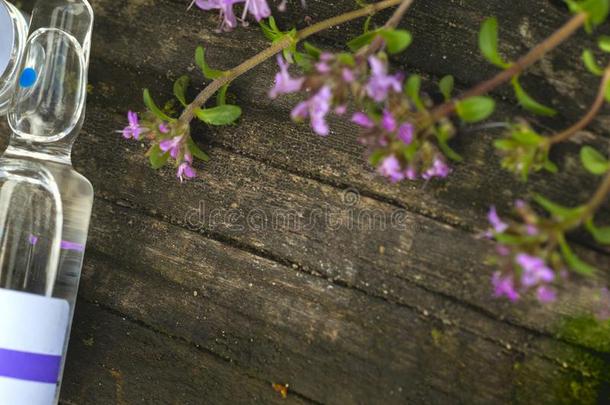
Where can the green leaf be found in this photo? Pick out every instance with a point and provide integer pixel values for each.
(590, 63)
(508, 239)
(597, 10)
(607, 92)
(366, 27)
(574, 261)
(207, 71)
(529, 103)
(221, 97)
(558, 211)
(604, 43)
(475, 109)
(443, 136)
(157, 157)
(180, 87)
(362, 40)
(446, 86)
(311, 50)
(195, 150)
(270, 30)
(396, 40)
(221, 115)
(550, 166)
(526, 136)
(601, 235)
(376, 156)
(488, 42)
(505, 144)
(150, 104)
(593, 161)
(412, 88)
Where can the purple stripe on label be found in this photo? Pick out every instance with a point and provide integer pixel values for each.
(42, 368)
(67, 245)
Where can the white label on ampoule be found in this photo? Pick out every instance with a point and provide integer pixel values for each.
(6, 37)
(32, 334)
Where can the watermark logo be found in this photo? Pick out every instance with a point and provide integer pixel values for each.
(351, 212)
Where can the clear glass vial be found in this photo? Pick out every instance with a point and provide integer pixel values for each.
(45, 205)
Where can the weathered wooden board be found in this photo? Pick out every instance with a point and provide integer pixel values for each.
(333, 343)
(116, 360)
(218, 308)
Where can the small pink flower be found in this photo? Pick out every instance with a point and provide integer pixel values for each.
(185, 170)
(546, 294)
(133, 130)
(317, 107)
(504, 286)
(405, 133)
(164, 128)
(285, 84)
(363, 120)
(172, 145)
(494, 219)
(390, 168)
(438, 169)
(388, 122)
(380, 82)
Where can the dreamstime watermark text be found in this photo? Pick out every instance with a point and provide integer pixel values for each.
(350, 213)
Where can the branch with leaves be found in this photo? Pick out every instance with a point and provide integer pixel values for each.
(406, 136)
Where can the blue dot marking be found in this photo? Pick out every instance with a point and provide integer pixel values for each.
(28, 77)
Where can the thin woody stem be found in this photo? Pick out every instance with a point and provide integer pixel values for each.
(230, 75)
(516, 68)
(598, 198)
(587, 118)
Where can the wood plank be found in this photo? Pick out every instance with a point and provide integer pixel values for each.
(332, 344)
(234, 187)
(113, 360)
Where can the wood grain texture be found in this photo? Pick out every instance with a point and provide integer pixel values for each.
(266, 269)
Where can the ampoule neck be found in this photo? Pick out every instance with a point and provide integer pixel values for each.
(59, 152)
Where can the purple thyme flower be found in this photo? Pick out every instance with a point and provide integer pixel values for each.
(172, 145)
(388, 122)
(323, 67)
(502, 250)
(258, 8)
(405, 133)
(227, 15)
(504, 286)
(531, 230)
(411, 173)
(133, 130)
(380, 82)
(317, 107)
(164, 128)
(341, 109)
(494, 219)
(390, 168)
(535, 270)
(438, 169)
(347, 75)
(283, 82)
(363, 120)
(545, 294)
(185, 170)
